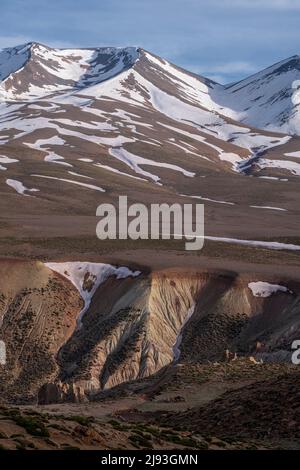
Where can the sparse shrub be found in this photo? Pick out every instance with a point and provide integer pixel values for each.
(32, 425)
(83, 420)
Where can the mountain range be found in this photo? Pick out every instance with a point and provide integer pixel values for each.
(81, 126)
(139, 343)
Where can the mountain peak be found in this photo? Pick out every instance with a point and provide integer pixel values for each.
(34, 70)
(291, 63)
(33, 44)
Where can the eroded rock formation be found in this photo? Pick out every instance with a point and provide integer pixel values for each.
(134, 325)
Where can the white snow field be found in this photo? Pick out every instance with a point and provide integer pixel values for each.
(94, 113)
(87, 277)
(265, 289)
(19, 187)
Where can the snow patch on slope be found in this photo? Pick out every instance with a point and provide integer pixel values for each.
(87, 277)
(256, 243)
(6, 161)
(288, 165)
(264, 289)
(78, 183)
(19, 187)
(134, 162)
(293, 154)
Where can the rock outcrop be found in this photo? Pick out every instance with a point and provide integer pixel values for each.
(132, 327)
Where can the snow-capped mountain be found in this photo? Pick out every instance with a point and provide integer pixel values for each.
(269, 99)
(85, 82)
(33, 70)
(83, 124)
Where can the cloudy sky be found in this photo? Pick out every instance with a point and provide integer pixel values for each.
(223, 39)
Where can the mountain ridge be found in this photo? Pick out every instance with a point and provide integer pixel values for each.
(273, 90)
(81, 126)
(35, 44)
